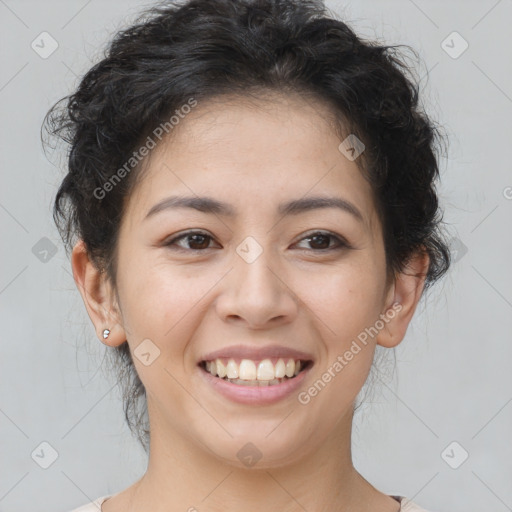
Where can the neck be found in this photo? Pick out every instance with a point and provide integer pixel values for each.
(184, 476)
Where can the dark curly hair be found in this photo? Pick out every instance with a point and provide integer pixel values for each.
(211, 48)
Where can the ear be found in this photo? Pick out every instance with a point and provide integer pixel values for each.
(402, 299)
(98, 296)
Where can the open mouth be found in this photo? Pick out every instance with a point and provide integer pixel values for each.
(257, 374)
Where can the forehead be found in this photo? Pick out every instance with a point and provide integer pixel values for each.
(252, 153)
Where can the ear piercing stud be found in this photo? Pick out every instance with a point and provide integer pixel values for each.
(106, 332)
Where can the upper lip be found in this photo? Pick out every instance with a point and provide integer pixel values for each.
(257, 353)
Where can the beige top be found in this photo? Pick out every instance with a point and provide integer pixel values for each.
(406, 505)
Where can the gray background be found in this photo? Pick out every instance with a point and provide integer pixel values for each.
(453, 381)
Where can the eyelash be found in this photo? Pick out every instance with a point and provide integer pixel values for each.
(341, 243)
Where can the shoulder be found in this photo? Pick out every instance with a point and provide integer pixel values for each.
(409, 506)
(406, 505)
(94, 506)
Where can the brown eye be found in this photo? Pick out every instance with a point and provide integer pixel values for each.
(194, 241)
(199, 241)
(321, 241)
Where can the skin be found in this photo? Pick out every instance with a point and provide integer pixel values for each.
(253, 156)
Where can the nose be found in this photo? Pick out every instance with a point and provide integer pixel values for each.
(257, 294)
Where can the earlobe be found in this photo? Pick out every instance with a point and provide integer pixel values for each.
(98, 297)
(402, 300)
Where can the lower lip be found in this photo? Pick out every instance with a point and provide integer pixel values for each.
(255, 395)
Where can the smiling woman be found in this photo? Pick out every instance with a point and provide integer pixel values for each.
(245, 267)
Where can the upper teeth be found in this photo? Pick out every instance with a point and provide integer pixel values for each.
(249, 370)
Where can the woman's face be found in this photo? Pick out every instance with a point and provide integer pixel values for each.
(252, 278)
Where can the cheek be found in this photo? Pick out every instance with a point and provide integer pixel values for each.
(163, 303)
(347, 298)
(348, 303)
(162, 306)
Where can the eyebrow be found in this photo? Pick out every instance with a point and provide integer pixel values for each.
(294, 207)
